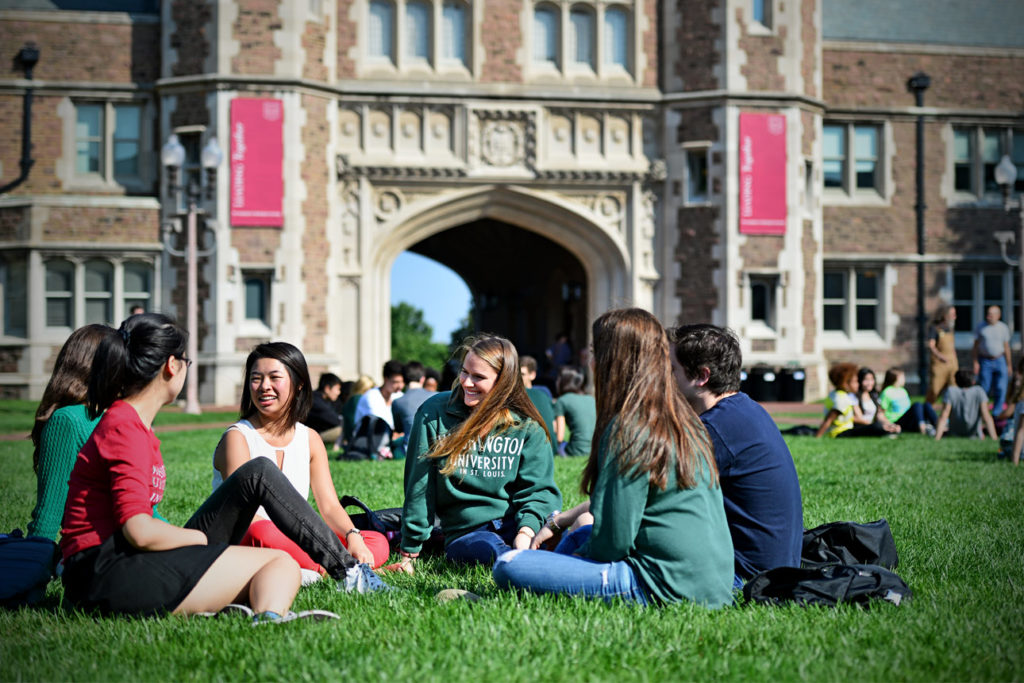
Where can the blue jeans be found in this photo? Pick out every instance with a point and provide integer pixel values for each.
(993, 370)
(483, 544)
(915, 415)
(540, 571)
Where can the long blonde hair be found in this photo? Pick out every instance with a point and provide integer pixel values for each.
(498, 408)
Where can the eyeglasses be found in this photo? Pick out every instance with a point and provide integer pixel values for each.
(188, 361)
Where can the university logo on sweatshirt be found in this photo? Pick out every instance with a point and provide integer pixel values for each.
(493, 457)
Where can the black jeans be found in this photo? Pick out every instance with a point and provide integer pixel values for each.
(227, 513)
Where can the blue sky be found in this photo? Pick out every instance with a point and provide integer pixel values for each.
(435, 289)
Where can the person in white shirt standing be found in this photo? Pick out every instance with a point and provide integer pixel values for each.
(991, 356)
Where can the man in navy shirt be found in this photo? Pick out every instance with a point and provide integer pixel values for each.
(759, 483)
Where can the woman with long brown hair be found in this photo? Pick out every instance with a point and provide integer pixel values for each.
(480, 459)
(62, 427)
(659, 532)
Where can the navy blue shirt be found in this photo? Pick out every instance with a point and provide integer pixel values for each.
(759, 485)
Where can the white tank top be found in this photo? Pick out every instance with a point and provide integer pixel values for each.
(295, 465)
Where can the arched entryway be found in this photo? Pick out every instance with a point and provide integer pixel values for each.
(524, 286)
(535, 265)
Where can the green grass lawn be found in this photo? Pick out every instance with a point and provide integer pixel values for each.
(952, 507)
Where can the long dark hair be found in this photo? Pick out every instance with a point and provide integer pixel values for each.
(69, 382)
(129, 360)
(873, 394)
(293, 360)
(653, 427)
(495, 411)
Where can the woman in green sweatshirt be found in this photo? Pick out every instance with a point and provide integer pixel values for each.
(62, 427)
(480, 459)
(659, 533)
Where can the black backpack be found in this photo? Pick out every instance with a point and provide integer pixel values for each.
(26, 566)
(850, 543)
(826, 585)
(388, 521)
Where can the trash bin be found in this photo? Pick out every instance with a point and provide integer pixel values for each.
(791, 381)
(763, 383)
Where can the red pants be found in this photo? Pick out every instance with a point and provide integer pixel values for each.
(263, 534)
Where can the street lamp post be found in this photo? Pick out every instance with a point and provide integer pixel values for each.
(172, 155)
(1006, 176)
(917, 84)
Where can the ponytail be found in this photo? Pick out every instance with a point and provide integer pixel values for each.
(129, 360)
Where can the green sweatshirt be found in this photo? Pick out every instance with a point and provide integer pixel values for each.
(677, 540)
(65, 433)
(508, 473)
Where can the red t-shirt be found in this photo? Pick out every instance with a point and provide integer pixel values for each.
(118, 474)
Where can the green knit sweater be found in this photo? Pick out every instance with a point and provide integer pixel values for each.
(65, 433)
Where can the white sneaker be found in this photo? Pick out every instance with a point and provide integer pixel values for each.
(309, 576)
(309, 614)
(362, 579)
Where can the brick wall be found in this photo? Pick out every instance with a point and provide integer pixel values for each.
(809, 39)
(695, 288)
(315, 245)
(74, 51)
(762, 66)
(47, 141)
(347, 38)
(697, 125)
(501, 36)
(761, 251)
(809, 314)
(694, 45)
(649, 78)
(861, 78)
(314, 42)
(254, 30)
(256, 245)
(191, 20)
(103, 224)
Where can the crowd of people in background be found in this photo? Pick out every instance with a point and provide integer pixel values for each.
(958, 402)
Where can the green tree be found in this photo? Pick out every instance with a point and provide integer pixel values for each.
(411, 337)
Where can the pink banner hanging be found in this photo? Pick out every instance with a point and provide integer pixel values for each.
(257, 157)
(762, 174)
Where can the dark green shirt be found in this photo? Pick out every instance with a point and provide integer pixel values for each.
(677, 540)
(508, 473)
(580, 414)
(542, 402)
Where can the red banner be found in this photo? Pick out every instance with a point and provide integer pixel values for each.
(762, 174)
(257, 157)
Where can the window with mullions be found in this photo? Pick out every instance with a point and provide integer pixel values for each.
(545, 35)
(581, 37)
(99, 292)
(852, 300)
(453, 45)
(257, 296)
(850, 157)
(696, 175)
(108, 140)
(96, 291)
(976, 290)
(417, 30)
(60, 291)
(976, 153)
(616, 37)
(381, 30)
(14, 279)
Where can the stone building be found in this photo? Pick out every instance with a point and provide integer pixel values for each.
(745, 162)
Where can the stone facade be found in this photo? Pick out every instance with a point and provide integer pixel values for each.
(622, 165)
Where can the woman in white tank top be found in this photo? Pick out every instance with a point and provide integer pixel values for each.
(277, 397)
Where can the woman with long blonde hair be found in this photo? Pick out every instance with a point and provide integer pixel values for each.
(479, 457)
(659, 532)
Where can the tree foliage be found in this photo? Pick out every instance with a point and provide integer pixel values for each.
(412, 337)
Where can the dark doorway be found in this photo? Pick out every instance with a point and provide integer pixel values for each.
(525, 286)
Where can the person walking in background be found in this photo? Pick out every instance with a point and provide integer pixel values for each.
(894, 402)
(991, 357)
(965, 412)
(760, 487)
(575, 410)
(659, 533)
(942, 347)
(323, 418)
(62, 426)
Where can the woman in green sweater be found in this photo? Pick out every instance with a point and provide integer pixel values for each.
(659, 533)
(62, 427)
(480, 458)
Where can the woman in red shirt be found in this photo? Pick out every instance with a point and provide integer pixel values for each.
(117, 557)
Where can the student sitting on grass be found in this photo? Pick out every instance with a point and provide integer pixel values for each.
(898, 409)
(575, 410)
(843, 416)
(274, 405)
(62, 427)
(659, 532)
(965, 409)
(117, 557)
(480, 458)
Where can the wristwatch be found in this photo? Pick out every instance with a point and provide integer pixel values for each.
(550, 522)
(353, 530)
